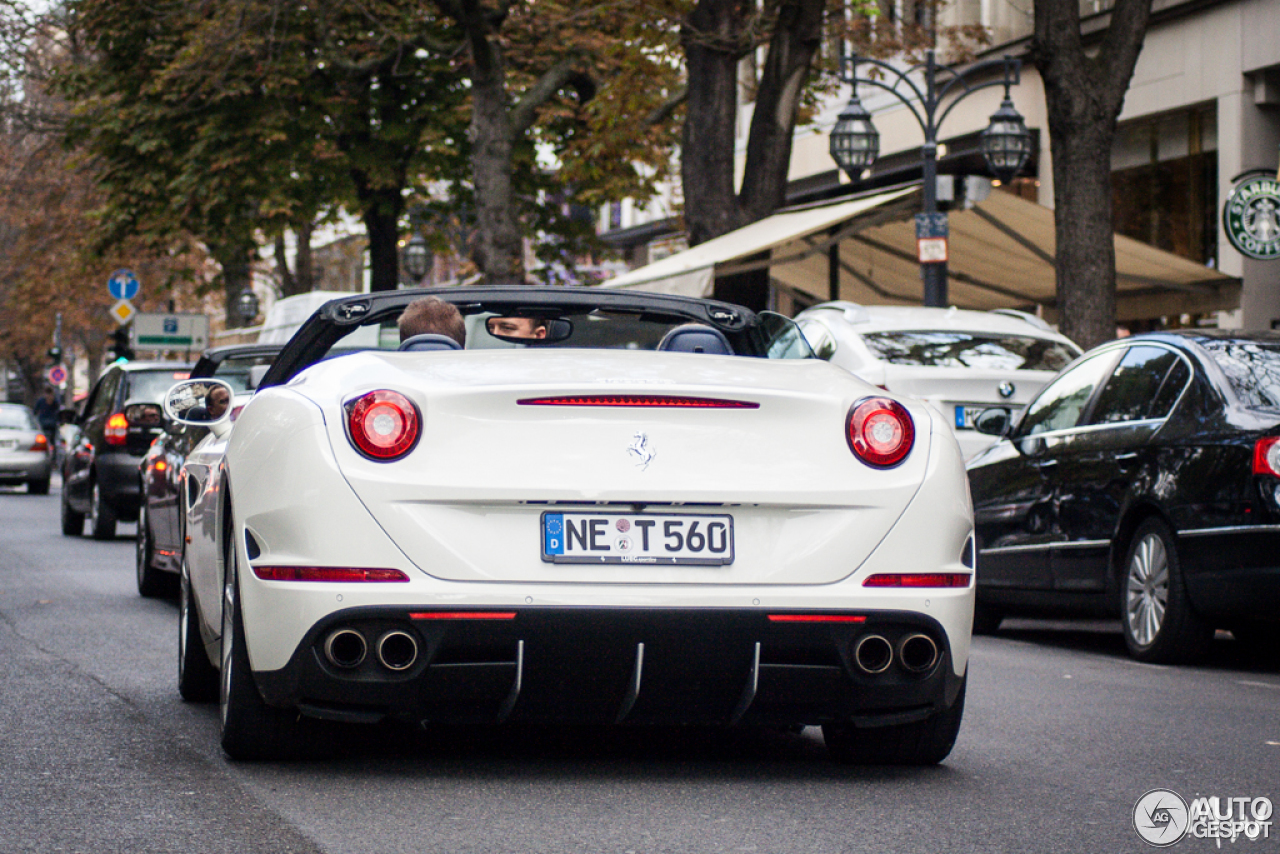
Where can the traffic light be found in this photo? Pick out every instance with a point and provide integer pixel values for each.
(120, 343)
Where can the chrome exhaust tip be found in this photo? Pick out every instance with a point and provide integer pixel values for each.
(918, 653)
(397, 650)
(873, 654)
(345, 648)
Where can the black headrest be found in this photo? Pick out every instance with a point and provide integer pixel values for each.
(696, 338)
(429, 341)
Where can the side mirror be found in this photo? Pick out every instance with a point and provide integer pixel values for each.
(144, 414)
(993, 422)
(199, 403)
(520, 329)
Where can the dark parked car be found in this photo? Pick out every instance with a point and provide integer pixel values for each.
(120, 418)
(26, 452)
(1143, 482)
(160, 534)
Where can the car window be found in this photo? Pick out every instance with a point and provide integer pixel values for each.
(1171, 389)
(783, 339)
(104, 395)
(152, 385)
(17, 418)
(820, 339)
(1252, 369)
(1062, 402)
(1133, 386)
(234, 370)
(945, 349)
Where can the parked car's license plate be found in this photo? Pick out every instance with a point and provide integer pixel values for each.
(8, 444)
(662, 538)
(966, 415)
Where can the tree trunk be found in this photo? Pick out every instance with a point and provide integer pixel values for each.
(235, 258)
(1084, 95)
(714, 39)
(796, 39)
(381, 222)
(303, 269)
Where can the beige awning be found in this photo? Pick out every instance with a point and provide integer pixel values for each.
(1001, 256)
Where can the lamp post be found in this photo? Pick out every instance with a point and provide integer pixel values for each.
(1006, 143)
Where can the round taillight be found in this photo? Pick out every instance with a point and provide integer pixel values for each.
(383, 424)
(880, 431)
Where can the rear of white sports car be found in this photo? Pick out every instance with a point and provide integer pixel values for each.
(605, 536)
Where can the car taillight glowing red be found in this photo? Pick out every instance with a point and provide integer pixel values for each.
(347, 574)
(919, 579)
(41, 443)
(880, 431)
(117, 429)
(383, 425)
(1266, 456)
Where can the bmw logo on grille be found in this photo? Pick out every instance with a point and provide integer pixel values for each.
(1006, 389)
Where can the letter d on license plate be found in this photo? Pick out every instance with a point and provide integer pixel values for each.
(660, 538)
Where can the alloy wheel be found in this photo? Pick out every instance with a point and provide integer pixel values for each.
(1147, 597)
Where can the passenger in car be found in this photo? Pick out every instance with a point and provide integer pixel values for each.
(432, 316)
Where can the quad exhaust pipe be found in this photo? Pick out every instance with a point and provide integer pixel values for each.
(918, 653)
(397, 650)
(874, 654)
(347, 649)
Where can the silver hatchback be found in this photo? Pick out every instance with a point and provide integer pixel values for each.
(26, 453)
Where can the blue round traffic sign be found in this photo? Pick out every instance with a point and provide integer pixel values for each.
(57, 375)
(123, 284)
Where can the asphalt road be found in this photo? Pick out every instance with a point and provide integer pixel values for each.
(1061, 737)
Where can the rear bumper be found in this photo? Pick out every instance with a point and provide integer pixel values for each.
(24, 466)
(118, 483)
(617, 665)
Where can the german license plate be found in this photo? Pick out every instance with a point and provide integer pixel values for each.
(659, 538)
(966, 415)
(8, 444)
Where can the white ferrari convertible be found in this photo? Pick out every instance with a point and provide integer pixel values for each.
(656, 510)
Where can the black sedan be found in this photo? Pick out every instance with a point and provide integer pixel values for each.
(1143, 482)
(160, 535)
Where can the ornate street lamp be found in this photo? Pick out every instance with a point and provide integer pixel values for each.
(855, 142)
(246, 305)
(415, 258)
(1006, 143)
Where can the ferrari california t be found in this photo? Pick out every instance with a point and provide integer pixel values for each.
(606, 507)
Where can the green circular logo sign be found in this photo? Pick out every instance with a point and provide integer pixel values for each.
(1251, 218)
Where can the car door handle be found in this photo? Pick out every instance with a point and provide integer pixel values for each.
(1045, 464)
(1126, 457)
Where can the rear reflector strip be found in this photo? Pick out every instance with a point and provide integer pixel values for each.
(817, 618)
(327, 573)
(656, 400)
(919, 579)
(463, 615)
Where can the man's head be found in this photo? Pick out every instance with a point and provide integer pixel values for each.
(216, 402)
(518, 327)
(48, 392)
(432, 314)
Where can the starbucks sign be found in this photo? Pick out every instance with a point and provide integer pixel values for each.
(1251, 218)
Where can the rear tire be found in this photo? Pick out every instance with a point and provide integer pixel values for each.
(925, 742)
(38, 487)
(152, 582)
(250, 728)
(1160, 626)
(72, 522)
(197, 677)
(102, 519)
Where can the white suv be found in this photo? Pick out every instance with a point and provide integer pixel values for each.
(960, 361)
